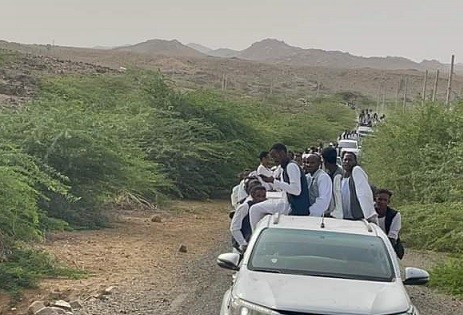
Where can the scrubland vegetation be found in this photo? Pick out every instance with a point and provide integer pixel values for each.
(88, 142)
(418, 154)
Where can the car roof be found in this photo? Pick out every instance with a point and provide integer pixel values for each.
(347, 140)
(364, 128)
(360, 227)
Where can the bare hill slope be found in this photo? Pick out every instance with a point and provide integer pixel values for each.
(255, 78)
(162, 47)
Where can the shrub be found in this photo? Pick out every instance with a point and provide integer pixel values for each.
(25, 267)
(448, 277)
(418, 155)
(433, 226)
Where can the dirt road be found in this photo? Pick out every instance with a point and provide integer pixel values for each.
(140, 258)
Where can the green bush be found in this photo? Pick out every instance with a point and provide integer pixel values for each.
(433, 226)
(23, 179)
(131, 134)
(418, 154)
(448, 277)
(25, 267)
(70, 155)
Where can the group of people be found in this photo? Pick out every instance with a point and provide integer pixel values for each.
(349, 134)
(369, 118)
(316, 186)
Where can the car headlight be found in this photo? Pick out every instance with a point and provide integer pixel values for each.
(241, 307)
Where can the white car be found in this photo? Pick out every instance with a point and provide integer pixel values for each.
(348, 146)
(364, 131)
(303, 265)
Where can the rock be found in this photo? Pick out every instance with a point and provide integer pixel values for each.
(108, 290)
(51, 311)
(63, 304)
(75, 304)
(57, 310)
(56, 295)
(156, 218)
(182, 249)
(35, 307)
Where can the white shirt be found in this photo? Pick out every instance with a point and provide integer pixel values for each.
(262, 170)
(325, 191)
(294, 186)
(396, 225)
(237, 222)
(241, 191)
(234, 196)
(364, 193)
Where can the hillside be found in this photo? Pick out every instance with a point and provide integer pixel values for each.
(275, 51)
(162, 47)
(223, 52)
(256, 79)
(200, 48)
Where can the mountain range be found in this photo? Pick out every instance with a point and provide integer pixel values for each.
(278, 52)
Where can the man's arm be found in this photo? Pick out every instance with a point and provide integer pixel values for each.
(294, 185)
(364, 194)
(237, 223)
(322, 203)
(396, 225)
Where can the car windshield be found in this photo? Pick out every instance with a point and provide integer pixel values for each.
(350, 145)
(366, 130)
(323, 254)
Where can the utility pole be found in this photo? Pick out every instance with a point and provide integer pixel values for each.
(399, 88)
(449, 86)
(224, 82)
(384, 98)
(405, 92)
(423, 97)
(378, 99)
(434, 92)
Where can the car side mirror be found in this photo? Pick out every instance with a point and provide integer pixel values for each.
(229, 261)
(415, 276)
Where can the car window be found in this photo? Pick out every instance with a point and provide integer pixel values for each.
(350, 145)
(320, 253)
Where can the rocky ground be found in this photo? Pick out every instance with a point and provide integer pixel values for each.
(140, 263)
(20, 74)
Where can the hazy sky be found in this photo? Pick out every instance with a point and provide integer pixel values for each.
(417, 29)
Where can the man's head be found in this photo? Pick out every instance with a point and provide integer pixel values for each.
(264, 158)
(279, 153)
(330, 156)
(250, 183)
(243, 174)
(313, 163)
(349, 160)
(258, 193)
(383, 197)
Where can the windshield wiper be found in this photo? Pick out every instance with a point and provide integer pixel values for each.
(266, 270)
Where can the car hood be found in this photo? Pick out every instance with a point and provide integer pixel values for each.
(320, 295)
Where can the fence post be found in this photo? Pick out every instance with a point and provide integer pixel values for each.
(424, 87)
(434, 92)
(449, 86)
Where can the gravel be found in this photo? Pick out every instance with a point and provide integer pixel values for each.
(200, 285)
